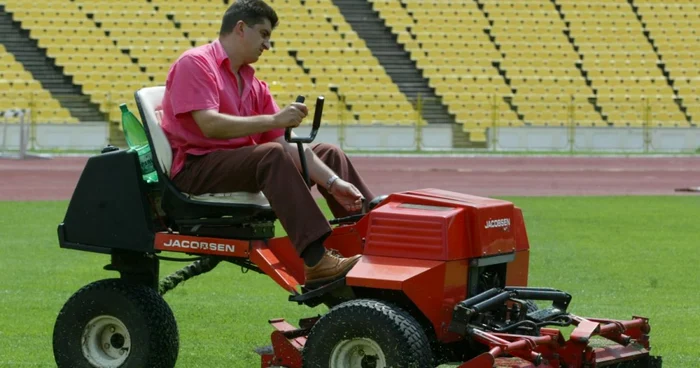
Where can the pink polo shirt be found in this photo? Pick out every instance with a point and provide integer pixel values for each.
(202, 79)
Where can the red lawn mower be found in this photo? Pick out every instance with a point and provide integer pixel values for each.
(443, 277)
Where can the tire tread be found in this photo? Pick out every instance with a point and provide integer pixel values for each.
(163, 345)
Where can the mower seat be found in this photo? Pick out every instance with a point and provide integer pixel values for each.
(218, 209)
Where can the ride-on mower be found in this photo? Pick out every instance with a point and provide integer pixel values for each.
(443, 277)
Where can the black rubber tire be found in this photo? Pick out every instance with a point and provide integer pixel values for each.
(147, 317)
(397, 333)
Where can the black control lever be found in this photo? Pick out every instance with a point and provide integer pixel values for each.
(288, 131)
(301, 140)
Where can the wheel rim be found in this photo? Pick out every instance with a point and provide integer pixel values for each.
(358, 353)
(106, 342)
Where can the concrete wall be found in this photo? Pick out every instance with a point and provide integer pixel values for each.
(94, 136)
(595, 139)
(83, 136)
(377, 137)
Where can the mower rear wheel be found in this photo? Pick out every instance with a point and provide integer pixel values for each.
(366, 333)
(113, 323)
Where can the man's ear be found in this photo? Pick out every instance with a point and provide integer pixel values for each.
(239, 28)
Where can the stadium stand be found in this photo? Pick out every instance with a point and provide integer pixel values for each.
(512, 62)
(621, 62)
(456, 55)
(326, 46)
(84, 51)
(200, 22)
(113, 48)
(540, 62)
(674, 28)
(19, 90)
(548, 53)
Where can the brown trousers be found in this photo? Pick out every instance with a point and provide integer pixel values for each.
(270, 169)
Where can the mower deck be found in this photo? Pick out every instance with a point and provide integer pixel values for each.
(593, 343)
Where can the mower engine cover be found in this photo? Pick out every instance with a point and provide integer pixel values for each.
(439, 225)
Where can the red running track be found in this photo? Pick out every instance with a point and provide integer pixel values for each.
(55, 179)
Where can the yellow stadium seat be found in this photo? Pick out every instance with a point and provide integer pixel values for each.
(137, 42)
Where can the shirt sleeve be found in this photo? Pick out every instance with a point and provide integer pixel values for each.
(193, 86)
(269, 107)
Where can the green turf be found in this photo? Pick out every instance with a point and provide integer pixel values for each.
(618, 257)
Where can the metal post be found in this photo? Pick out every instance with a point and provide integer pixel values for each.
(4, 134)
(341, 118)
(32, 125)
(646, 126)
(494, 123)
(419, 128)
(108, 107)
(22, 136)
(572, 136)
(116, 131)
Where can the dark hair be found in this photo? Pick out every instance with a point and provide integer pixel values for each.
(252, 12)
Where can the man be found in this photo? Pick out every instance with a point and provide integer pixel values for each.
(227, 135)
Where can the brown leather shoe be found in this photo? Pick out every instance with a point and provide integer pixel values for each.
(331, 267)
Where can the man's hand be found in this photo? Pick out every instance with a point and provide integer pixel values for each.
(291, 116)
(347, 195)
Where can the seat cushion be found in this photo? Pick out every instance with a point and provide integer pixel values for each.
(233, 197)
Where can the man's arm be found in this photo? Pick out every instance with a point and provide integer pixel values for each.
(319, 173)
(223, 126)
(345, 193)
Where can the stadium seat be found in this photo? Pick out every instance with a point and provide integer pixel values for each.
(673, 27)
(616, 53)
(316, 43)
(112, 49)
(19, 90)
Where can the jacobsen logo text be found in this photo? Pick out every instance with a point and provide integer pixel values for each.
(497, 223)
(219, 247)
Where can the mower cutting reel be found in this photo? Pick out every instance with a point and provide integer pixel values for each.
(496, 320)
(442, 278)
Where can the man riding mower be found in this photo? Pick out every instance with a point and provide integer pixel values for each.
(442, 277)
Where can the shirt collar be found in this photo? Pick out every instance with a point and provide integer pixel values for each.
(219, 52)
(246, 71)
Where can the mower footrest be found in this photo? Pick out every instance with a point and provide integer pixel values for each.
(287, 343)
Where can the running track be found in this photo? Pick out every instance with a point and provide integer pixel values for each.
(55, 179)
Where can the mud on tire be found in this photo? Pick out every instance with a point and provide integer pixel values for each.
(113, 323)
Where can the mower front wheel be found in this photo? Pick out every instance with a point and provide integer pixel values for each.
(116, 324)
(369, 334)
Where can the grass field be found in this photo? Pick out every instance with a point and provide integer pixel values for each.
(618, 257)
